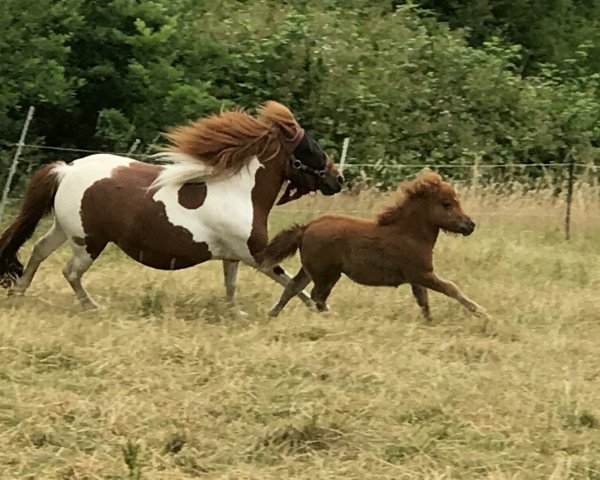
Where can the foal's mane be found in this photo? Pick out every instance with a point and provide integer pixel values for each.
(426, 183)
(221, 144)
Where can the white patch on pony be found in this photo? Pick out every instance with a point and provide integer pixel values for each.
(75, 179)
(182, 168)
(224, 220)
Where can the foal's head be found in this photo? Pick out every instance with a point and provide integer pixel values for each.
(434, 201)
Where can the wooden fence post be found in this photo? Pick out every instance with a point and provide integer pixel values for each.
(13, 167)
(570, 181)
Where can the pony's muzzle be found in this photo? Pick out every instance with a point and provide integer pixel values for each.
(467, 227)
(331, 186)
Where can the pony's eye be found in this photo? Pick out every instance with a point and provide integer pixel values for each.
(446, 205)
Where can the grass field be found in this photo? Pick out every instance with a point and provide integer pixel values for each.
(163, 383)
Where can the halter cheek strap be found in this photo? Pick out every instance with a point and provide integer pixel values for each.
(292, 192)
(300, 167)
(297, 133)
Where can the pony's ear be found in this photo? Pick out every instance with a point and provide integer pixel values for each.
(292, 133)
(277, 114)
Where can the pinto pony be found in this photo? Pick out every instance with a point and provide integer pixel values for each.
(210, 200)
(394, 248)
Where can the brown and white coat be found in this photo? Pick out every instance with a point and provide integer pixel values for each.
(210, 201)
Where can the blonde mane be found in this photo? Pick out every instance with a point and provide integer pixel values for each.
(220, 145)
(425, 183)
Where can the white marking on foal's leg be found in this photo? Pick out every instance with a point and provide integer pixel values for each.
(74, 270)
(42, 249)
(230, 271)
(295, 285)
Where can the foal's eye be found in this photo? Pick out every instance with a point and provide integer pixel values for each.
(446, 205)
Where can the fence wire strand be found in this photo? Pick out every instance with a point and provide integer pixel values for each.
(378, 165)
(346, 165)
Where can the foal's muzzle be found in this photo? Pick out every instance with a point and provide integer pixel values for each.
(467, 227)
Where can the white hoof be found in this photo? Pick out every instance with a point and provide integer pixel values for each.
(479, 311)
(237, 311)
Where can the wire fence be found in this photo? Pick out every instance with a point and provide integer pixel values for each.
(503, 177)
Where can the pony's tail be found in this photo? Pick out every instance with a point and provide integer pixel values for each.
(38, 200)
(284, 245)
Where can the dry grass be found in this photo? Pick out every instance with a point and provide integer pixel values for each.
(164, 384)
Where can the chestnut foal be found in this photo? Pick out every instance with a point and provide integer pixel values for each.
(394, 248)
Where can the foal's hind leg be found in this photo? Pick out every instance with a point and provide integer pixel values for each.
(294, 286)
(433, 282)
(74, 270)
(42, 249)
(278, 274)
(422, 297)
(323, 286)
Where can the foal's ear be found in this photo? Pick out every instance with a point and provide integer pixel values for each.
(427, 183)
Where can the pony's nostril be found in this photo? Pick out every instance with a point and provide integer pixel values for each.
(340, 179)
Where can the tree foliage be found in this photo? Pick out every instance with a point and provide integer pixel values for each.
(407, 85)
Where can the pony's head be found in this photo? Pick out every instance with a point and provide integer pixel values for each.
(222, 144)
(309, 168)
(439, 200)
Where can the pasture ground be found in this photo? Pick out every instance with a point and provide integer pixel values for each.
(163, 383)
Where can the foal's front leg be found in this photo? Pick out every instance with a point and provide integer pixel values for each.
(422, 297)
(433, 282)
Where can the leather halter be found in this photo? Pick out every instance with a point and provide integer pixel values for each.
(292, 191)
(296, 164)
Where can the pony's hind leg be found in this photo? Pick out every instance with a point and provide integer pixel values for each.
(230, 269)
(449, 289)
(79, 263)
(422, 297)
(42, 249)
(294, 286)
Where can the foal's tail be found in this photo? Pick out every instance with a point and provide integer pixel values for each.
(38, 201)
(283, 245)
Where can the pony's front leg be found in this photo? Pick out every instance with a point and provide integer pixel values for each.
(230, 271)
(433, 282)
